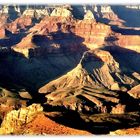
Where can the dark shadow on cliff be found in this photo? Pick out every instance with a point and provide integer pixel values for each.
(99, 16)
(125, 57)
(130, 19)
(18, 72)
(12, 80)
(11, 39)
(78, 11)
(98, 124)
(125, 31)
(130, 16)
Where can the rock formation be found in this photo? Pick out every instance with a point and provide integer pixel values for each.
(43, 125)
(85, 29)
(89, 15)
(10, 100)
(3, 21)
(106, 15)
(2, 32)
(87, 65)
(118, 109)
(40, 13)
(29, 12)
(135, 92)
(19, 23)
(129, 42)
(36, 13)
(123, 132)
(61, 12)
(25, 45)
(15, 119)
(96, 69)
(25, 95)
(32, 121)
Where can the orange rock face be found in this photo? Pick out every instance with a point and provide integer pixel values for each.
(118, 109)
(94, 34)
(19, 23)
(3, 21)
(2, 32)
(129, 42)
(88, 30)
(135, 92)
(125, 132)
(43, 125)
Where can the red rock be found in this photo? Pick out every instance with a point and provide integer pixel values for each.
(118, 109)
(19, 23)
(2, 32)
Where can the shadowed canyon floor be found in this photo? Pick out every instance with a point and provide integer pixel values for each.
(69, 70)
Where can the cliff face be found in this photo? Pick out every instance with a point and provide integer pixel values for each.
(20, 23)
(131, 10)
(14, 120)
(129, 42)
(26, 10)
(94, 34)
(61, 12)
(62, 34)
(111, 15)
(98, 70)
(89, 15)
(106, 14)
(134, 92)
(87, 65)
(32, 121)
(2, 32)
(3, 21)
(84, 29)
(36, 13)
(92, 72)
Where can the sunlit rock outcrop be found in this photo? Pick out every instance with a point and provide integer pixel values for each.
(15, 119)
(89, 15)
(61, 12)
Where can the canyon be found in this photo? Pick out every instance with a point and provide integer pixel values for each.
(71, 67)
